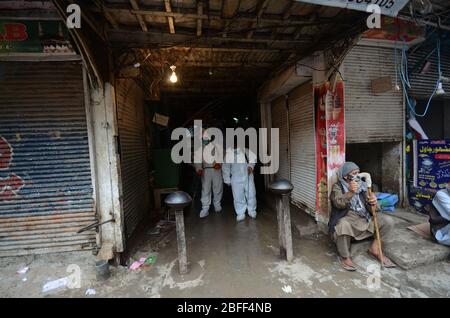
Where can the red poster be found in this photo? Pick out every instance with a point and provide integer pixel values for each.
(320, 93)
(335, 131)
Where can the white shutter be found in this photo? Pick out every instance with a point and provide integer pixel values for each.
(302, 147)
(279, 120)
(371, 117)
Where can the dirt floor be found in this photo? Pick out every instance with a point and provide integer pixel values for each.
(227, 259)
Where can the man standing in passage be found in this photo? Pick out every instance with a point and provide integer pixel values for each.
(211, 174)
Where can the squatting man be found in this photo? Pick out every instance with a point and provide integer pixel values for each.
(351, 219)
(235, 169)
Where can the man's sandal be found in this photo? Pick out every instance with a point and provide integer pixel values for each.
(386, 261)
(345, 266)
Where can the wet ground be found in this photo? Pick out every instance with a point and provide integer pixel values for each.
(227, 259)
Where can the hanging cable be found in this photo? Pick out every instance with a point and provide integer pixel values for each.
(404, 76)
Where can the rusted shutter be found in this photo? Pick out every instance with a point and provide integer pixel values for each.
(280, 121)
(46, 191)
(371, 117)
(302, 147)
(133, 153)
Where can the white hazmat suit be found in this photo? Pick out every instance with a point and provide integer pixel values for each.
(235, 172)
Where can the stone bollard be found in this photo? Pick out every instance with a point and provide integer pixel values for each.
(284, 188)
(178, 201)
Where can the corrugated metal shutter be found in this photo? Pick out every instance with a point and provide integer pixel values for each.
(279, 120)
(371, 117)
(43, 125)
(422, 85)
(133, 155)
(302, 147)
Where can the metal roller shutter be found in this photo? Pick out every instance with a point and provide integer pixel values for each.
(422, 85)
(302, 147)
(133, 155)
(279, 120)
(371, 117)
(46, 191)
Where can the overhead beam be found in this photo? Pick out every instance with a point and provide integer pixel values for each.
(139, 17)
(229, 10)
(298, 31)
(213, 15)
(108, 16)
(208, 64)
(156, 40)
(286, 14)
(262, 5)
(200, 13)
(170, 19)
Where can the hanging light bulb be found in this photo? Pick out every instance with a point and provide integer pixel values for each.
(440, 89)
(173, 78)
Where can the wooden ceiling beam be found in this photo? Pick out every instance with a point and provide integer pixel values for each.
(170, 19)
(260, 8)
(209, 64)
(185, 13)
(286, 14)
(106, 13)
(199, 13)
(139, 17)
(230, 9)
(139, 39)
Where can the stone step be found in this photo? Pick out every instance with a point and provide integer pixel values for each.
(407, 249)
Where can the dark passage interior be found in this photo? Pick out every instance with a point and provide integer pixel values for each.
(220, 112)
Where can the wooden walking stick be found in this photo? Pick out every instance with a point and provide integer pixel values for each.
(368, 179)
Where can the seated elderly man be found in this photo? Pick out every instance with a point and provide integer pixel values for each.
(440, 222)
(351, 218)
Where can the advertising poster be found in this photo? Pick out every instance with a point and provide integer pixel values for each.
(431, 170)
(29, 36)
(320, 94)
(335, 131)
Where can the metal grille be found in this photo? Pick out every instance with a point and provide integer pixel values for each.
(302, 147)
(371, 117)
(46, 192)
(423, 85)
(133, 155)
(279, 120)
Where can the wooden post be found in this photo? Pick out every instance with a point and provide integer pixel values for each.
(281, 236)
(287, 232)
(282, 188)
(181, 240)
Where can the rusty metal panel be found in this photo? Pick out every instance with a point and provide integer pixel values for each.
(133, 154)
(423, 84)
(371, 117)
(302, 147)
(280, 121)
(46, 191)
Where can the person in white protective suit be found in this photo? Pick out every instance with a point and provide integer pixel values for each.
(237, 171)
(211, 174)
